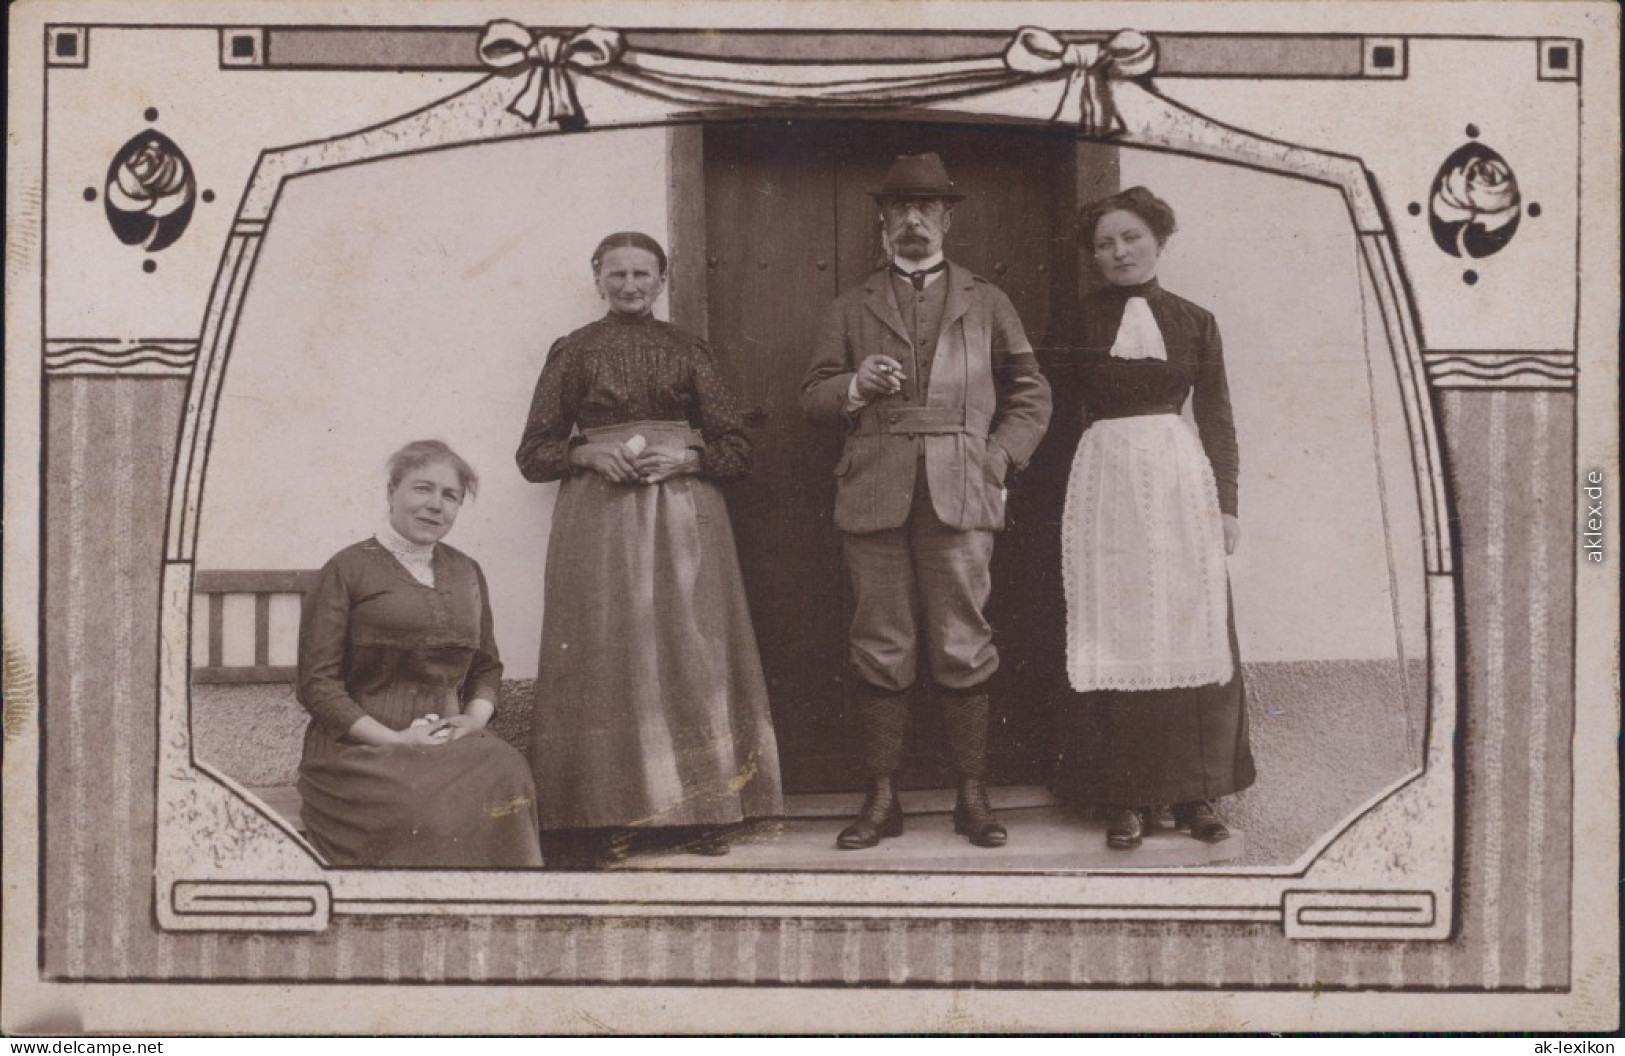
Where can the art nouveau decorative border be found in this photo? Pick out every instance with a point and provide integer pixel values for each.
(225, 862)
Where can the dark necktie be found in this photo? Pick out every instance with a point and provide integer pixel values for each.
(918, 277)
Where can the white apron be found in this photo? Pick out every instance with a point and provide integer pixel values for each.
(1143, 562)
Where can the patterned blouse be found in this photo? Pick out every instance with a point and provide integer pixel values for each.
(1091, 384)
(629, 369)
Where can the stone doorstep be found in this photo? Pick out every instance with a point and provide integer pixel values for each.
(1044, 838)
(284, 799)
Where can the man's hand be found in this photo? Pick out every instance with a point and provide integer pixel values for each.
(1232, 533)
(878, 376)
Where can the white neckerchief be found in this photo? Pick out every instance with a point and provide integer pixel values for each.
(920, 265)
(417, 558)
(1137, 335)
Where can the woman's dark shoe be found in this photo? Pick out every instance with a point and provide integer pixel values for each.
(1202, 821)
(1127, 829)
(973, 817)
(615, 847)
(881, 816)
(708, 843)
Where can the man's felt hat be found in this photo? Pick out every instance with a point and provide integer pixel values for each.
(918, 176)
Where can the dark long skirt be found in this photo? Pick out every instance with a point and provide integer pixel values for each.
(1155, 747)
(466, 804)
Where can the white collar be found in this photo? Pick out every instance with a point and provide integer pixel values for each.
(396, 543)
(916, 265)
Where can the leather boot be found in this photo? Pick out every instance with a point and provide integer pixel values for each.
(880, 817)
(973, 815)
(883, 723)
(965, 717)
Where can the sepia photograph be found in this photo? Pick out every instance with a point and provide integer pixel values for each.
(628, 518)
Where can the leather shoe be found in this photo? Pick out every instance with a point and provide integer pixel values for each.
(710, 843)
(614, 848)
(881, 816)
(1202, 821)
(973, 817)
(1127, 829)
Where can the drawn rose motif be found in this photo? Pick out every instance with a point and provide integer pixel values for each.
(1475, 205)
(150, 192)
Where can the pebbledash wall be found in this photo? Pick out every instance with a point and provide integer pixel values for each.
(109, 448)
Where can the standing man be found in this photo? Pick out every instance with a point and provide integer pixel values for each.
(927, 368)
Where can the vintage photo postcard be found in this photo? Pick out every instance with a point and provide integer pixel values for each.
(563, 517)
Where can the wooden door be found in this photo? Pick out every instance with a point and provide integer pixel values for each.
(789, 224)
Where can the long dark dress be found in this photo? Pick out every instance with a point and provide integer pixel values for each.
(375, 641)
(651, 708)
(1164, 745)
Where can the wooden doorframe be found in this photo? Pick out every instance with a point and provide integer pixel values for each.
(685, 221)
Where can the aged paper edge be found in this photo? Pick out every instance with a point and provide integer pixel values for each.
(1591, 1004)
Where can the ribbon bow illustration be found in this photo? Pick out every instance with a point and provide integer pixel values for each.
(506, 47)
(1091, 68)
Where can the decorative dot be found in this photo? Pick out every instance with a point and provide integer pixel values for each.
(149, 266)
(1472, 131)
(90, 195)
(208, 196)
(1415, 208)
(151, 114)
(1534, 208)
(1469, 276)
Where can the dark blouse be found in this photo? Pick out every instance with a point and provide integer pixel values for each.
(370, 631)
(1091, 384)
(620, 370)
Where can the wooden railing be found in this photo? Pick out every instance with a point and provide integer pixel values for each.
(211, 590)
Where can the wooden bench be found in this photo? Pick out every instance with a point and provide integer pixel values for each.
(213, 588)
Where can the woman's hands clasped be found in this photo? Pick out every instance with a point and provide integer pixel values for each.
(619, 465)
(611, 461)
(428, 731)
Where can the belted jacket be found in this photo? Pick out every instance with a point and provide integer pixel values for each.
(984, 411)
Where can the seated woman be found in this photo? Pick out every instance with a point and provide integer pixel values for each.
(399, 671)
(651, 709)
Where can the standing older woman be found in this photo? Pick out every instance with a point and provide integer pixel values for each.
(651, 709)
(399, 670)
(1158, 715)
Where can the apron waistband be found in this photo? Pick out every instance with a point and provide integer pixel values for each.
(1134, 412)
